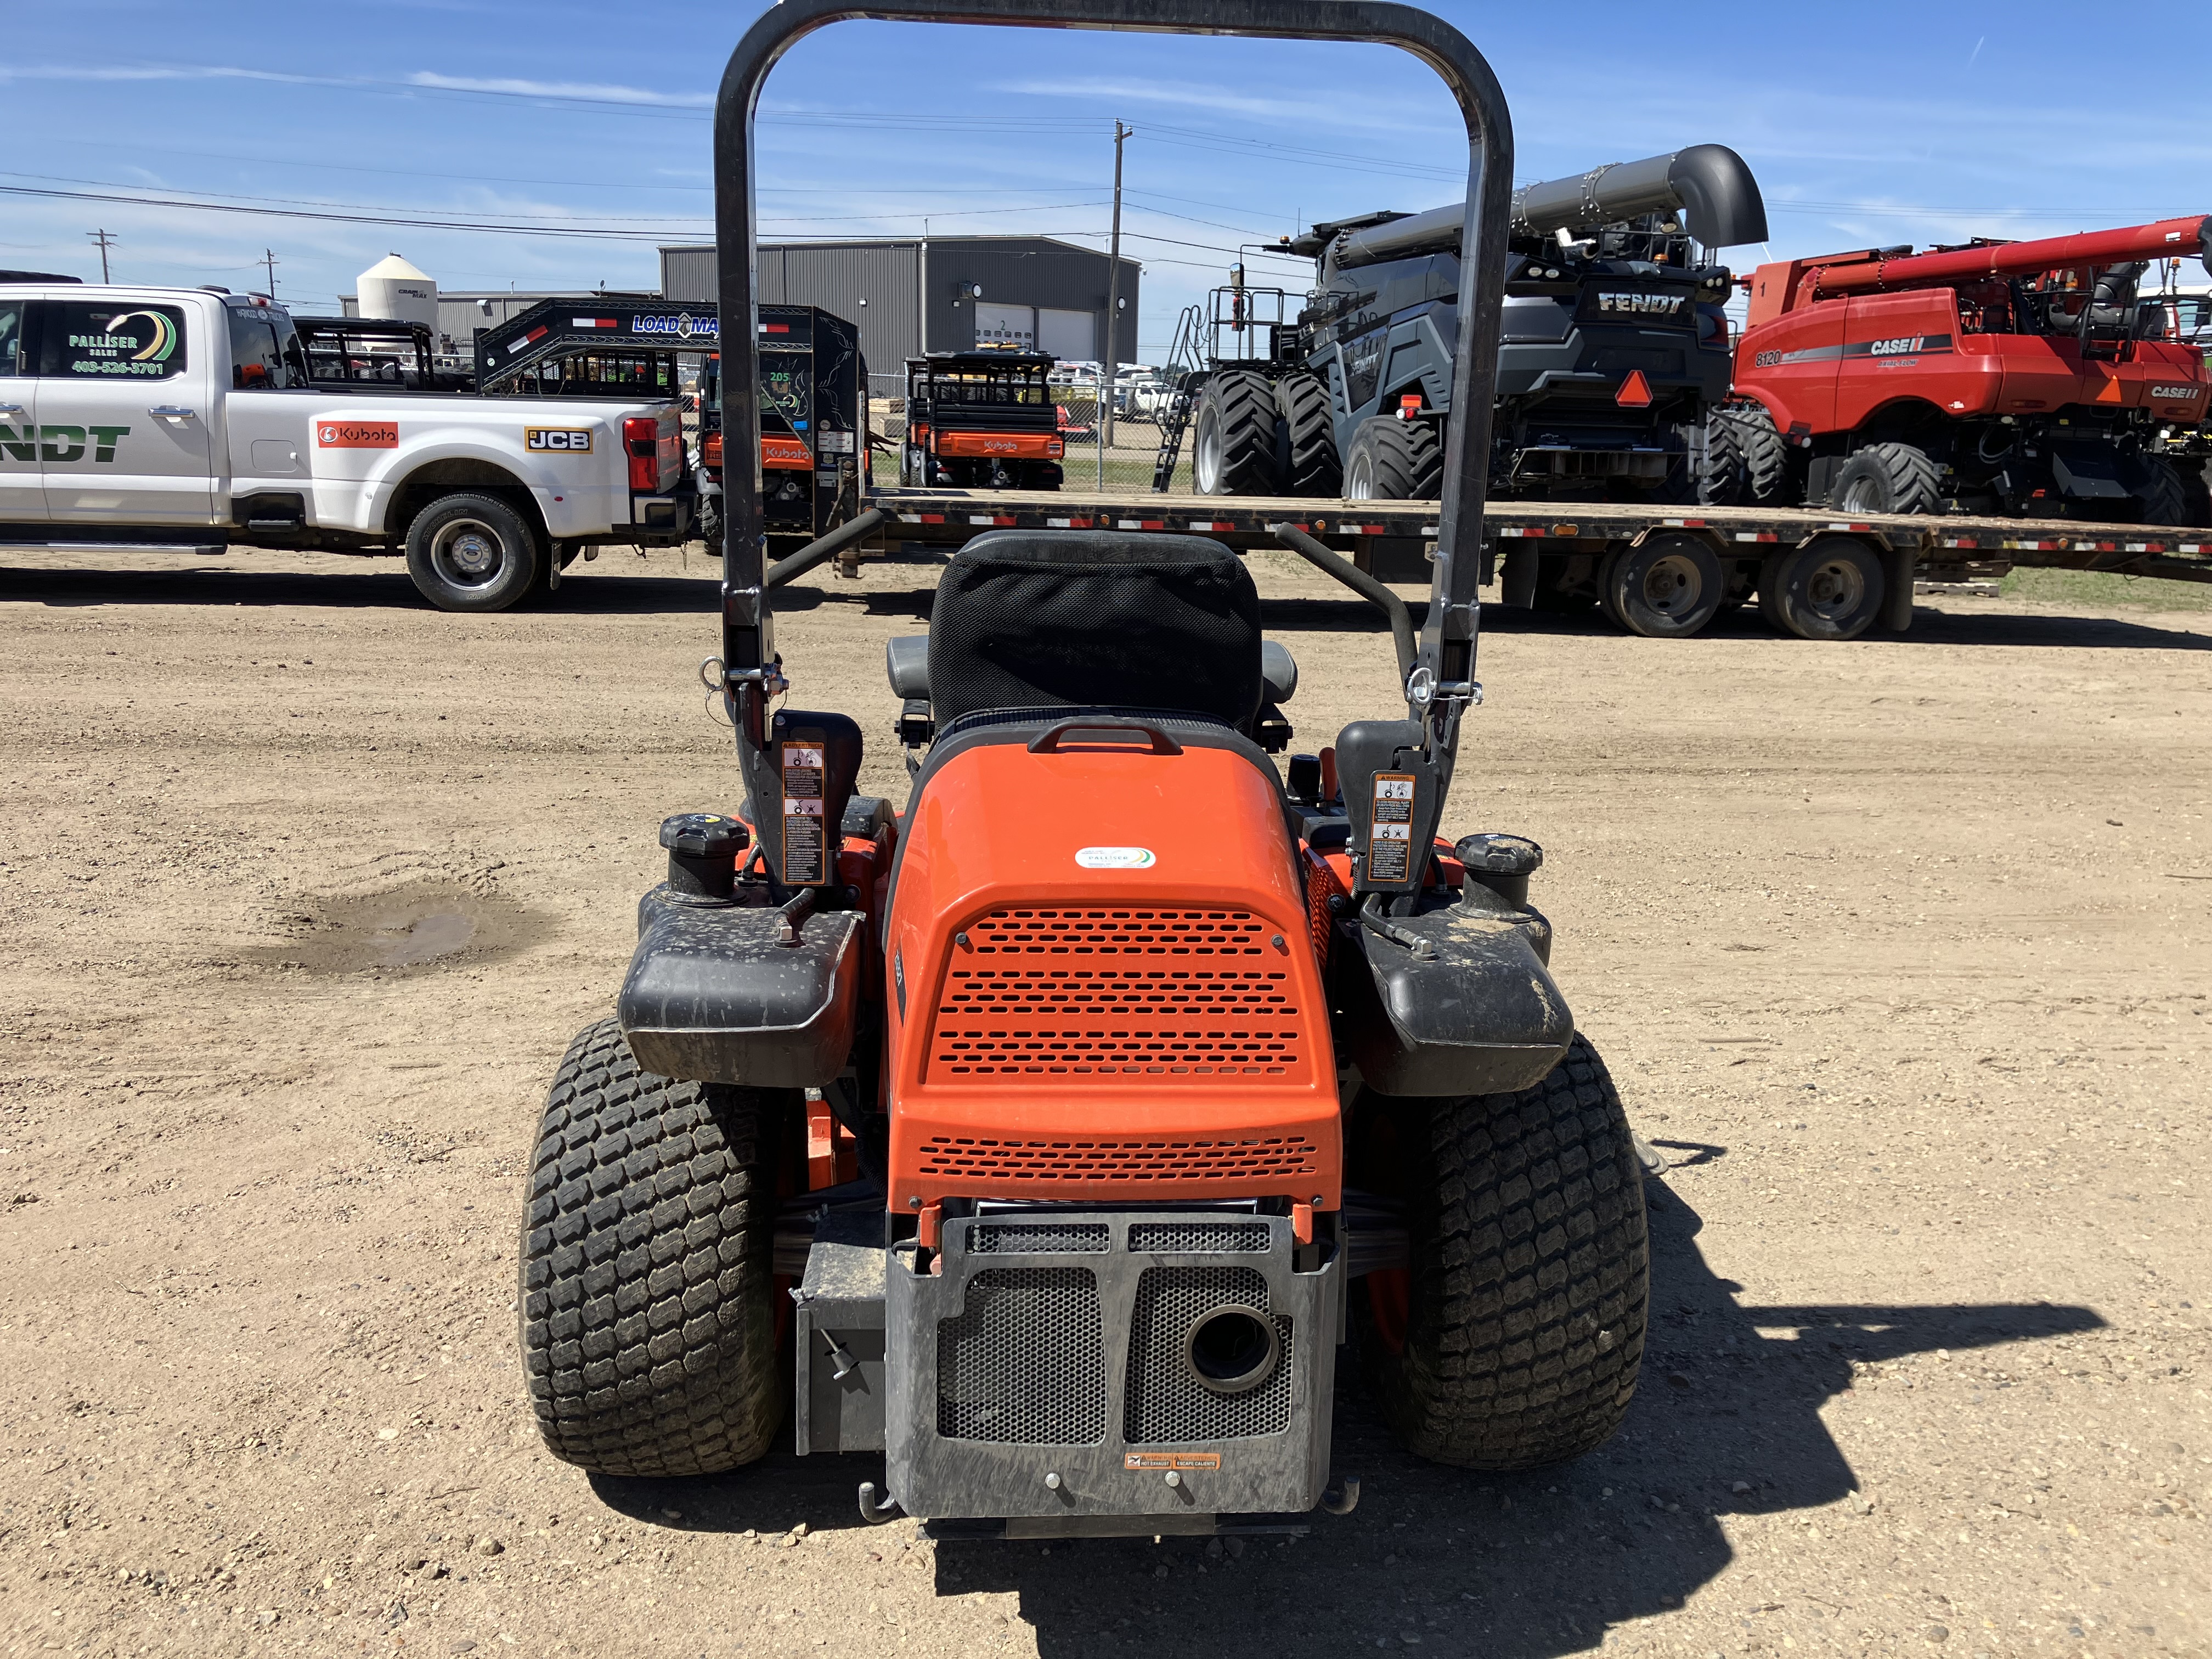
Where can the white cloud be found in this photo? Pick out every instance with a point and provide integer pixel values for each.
(1183, 94)
(581, 89)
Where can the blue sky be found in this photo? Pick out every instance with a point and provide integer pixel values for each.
(1876, 123)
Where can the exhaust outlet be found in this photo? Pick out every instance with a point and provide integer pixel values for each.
(1231, 1350)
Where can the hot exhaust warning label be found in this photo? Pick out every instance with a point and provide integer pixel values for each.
(1391, 833)
(1137, 1460)
(806, 842)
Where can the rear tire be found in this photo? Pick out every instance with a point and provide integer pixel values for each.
(648, 1332)
(2164, 498)
(1308, 436)
(1830, 589)
(1237, 448)
(471, 552)
(1888, 478)
(1667, 588)
(1520, 1331)
(1747, 464)
(1394, 460)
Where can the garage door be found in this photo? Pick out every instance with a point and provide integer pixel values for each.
(1070, 335)
(1005, 326)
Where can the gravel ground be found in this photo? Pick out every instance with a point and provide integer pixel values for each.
(1899, 949)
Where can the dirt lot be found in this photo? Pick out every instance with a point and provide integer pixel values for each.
(1900, 948)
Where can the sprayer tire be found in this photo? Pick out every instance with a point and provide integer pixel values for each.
(1530, 1289)
(1395, 460)
(1308, 436)
(1237, 448)
(648, 1328)
(1888, 478)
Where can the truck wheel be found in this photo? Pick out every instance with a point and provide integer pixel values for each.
(1238, 449)
(1310, 431)
(1829, 589)
(649, 1335)
(471, 552)
(1515, 1338)
(1394, 460)
(2163, 498)
(1888, 478)
(1665, 589)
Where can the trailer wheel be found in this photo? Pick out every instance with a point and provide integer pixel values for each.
(1515, 1338)
(1888, 478)
(1309, 435)
(1746, 463)
(1239, 448)
(471, 552)
(1667, 588)
(648, 1334)
(1830, 589)
(2164, 499)
(1394, 460)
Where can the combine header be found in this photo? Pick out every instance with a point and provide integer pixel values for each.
(2013, 377)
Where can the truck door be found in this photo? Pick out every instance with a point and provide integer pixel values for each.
(126, 410)
(22, 501)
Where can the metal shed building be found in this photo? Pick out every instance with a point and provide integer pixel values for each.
(1037, 292)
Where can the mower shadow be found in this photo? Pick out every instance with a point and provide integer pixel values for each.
(1517, 1567)
(1528, 1566)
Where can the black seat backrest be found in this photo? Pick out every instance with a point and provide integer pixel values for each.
(1046, 619)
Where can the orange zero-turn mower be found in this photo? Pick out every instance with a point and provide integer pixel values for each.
(1050, 1135)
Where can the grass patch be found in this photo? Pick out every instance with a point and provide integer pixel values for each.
(2101, 587)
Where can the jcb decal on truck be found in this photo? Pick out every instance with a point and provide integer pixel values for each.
(357, 435)
(571, 439)
(61, 443)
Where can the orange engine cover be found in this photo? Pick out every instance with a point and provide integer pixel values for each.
(1109, 986)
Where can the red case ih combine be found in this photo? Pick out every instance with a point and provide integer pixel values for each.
(2013, 378)
(1090, 1097)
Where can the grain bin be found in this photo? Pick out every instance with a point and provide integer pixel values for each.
(392, 287)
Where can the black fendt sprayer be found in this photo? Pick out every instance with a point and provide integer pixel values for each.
(1614, 345)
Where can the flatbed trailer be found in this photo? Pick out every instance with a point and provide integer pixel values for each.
(1549, 547)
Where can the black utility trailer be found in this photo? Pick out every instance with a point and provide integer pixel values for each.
(609, 345)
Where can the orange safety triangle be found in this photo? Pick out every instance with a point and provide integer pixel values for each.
(1635, 391)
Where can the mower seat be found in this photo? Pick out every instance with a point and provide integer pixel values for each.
(906, 662)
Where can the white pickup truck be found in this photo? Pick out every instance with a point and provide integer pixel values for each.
(185, 417)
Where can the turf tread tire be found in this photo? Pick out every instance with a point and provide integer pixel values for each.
(1242, 405)
(649, 1335)
(1908, 478)
(1310, 463)
(1405, 459)
(1531, 1282)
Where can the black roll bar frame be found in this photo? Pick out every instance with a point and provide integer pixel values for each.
(1443, 680)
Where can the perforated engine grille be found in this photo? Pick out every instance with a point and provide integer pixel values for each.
(1164, 1404)
(1135, 1162)
(1038, 1237)
(1110, 992)
(1198, 1237)
(1025, 1362)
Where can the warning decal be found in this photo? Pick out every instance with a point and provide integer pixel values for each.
(1390, 835)
(1171, 1460)
(805, 845)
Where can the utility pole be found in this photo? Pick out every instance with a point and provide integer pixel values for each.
(269, 260)
(106, 242)
(1111, 367)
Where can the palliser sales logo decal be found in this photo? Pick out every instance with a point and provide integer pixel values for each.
(357, 435)
(570, 440)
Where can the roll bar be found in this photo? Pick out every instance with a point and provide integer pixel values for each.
(1442, 681)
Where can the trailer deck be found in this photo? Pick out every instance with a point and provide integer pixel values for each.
(1944, 549)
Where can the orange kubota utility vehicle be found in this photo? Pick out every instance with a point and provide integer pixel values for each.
(1051, 1135)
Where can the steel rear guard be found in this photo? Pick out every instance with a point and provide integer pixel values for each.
(1044, 1375)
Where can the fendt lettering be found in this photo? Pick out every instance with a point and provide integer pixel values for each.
(61, 444)
(1642, 305)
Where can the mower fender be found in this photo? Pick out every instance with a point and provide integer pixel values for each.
(1482, 1016)
(712, 997)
